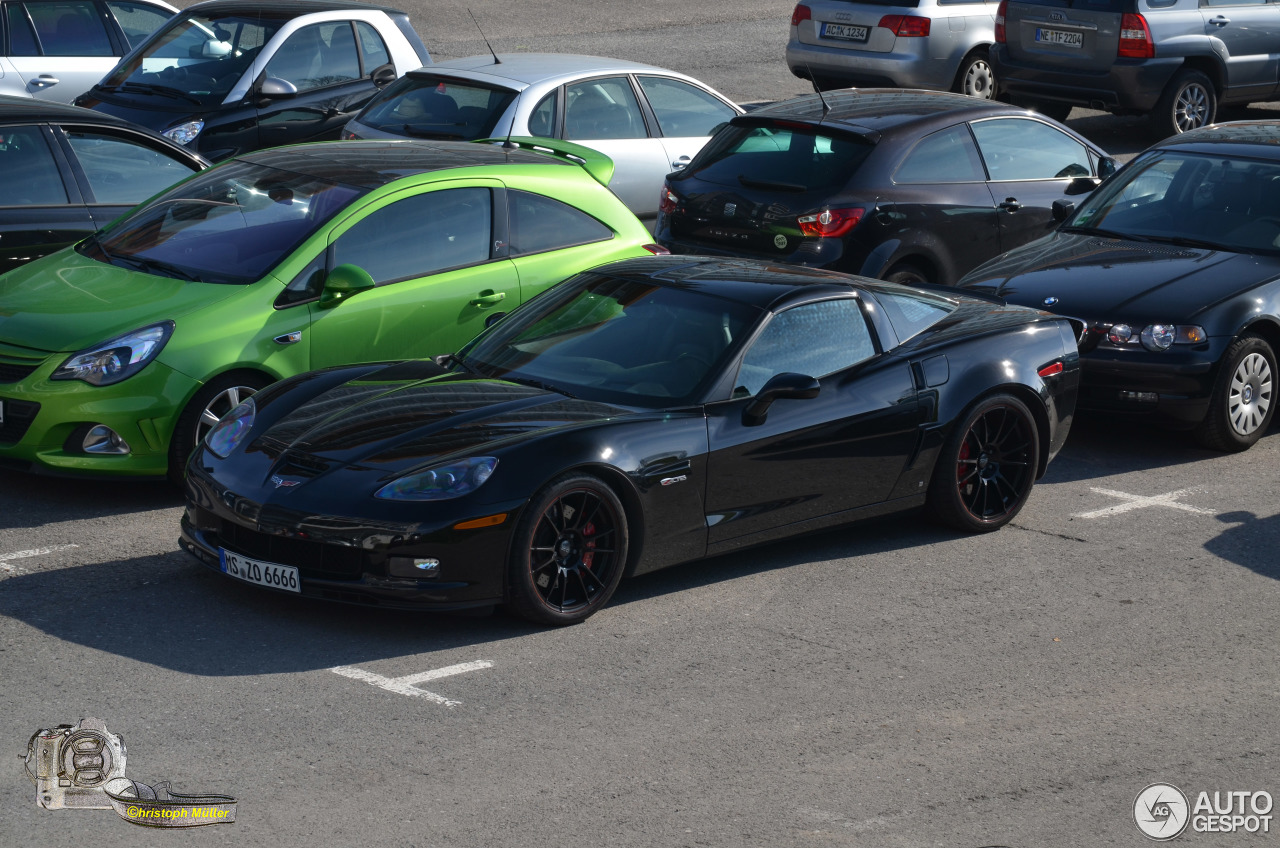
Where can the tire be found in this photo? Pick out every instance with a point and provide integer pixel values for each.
(987, 466)
(1243, 401)
(975, 77)
(568, 551)
(906, 274)
(1188, 102)
(215, 399)
(1054, 111)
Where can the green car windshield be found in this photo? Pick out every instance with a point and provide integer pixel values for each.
(228, 225)
(616, 341)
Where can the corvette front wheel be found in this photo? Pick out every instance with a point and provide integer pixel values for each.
(568, 552)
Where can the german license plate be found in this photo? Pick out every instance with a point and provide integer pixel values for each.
(848, 32)
(255, 571)
(1057, 36)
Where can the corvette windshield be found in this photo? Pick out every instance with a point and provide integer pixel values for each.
(196, 59)
(1189, 199)
(230, 224)
(619, 341)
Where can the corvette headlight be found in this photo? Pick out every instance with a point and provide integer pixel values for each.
(117, 359)
(441, 483)
(184, 133)
(231, 429)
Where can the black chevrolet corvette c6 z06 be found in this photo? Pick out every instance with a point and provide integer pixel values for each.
(642, 414)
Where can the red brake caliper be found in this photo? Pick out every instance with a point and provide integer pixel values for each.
(588, 532)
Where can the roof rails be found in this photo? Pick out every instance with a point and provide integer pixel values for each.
(595, 163)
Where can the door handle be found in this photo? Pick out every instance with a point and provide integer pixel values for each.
(680, 163)
(1220, 20)
(46, 79)
(1010, 204)
(488, 298)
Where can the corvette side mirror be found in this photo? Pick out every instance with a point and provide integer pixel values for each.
(787, 385)
(343, 282)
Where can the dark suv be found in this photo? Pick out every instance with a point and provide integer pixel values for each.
(1174, 60)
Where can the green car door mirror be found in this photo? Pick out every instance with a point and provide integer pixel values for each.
(343, 282)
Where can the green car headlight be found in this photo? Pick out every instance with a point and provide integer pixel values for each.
(117, 359)
(442, 482)
(231, 429)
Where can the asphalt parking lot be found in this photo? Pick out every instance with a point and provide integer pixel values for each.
(886, 684)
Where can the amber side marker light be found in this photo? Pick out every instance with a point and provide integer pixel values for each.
(487, 521)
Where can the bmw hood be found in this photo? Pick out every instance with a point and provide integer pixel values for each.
(1107, 279)
(67, 302)
(388, 421)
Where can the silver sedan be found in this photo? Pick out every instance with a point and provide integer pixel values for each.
(650, 121)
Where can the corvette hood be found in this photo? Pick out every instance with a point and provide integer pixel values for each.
(389, 423)
(67, 302)
(1095, 278)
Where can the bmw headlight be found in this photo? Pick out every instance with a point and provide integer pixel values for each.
(184, 133)
(117, 359)
(231, 429)
(441, 483)
(1156, 337)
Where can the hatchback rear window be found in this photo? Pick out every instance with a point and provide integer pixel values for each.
(1117, 6)
(430, 106)
(781, 158)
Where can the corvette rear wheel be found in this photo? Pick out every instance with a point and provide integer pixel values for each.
(987, 466)
(568, 553)
(1243, 400)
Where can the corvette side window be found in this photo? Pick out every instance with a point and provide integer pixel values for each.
(420, 235)
(122, 171)
(30, 174)
(816, 339)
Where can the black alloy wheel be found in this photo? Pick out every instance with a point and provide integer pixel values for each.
(569, 551)
(1243, 401)
(987, 466)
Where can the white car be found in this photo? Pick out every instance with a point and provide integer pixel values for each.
(650, 121)
(57, 49)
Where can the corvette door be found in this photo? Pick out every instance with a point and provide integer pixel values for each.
(811, 457)
(431, 257)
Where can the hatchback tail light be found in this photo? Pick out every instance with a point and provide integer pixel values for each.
(668, 200)
(1000, 13)
(829, 223)
(802, 13)
(656, 249)
(1135, 38)
(906, 26)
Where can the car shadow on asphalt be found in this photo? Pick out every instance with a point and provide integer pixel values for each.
(31, 500)
(1249, 541)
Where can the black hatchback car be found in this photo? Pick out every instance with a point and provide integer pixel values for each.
(66, 172)
(230, 76)
(1173, 270)
(907, 186)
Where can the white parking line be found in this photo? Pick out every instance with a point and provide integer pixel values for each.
(405, 685)
(4, 558)
(1169, 499)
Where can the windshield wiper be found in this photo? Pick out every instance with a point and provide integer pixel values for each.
(538, 384)
(776, 186)
(1098, 231)
(1185, 241)
(154, 266)
(166, 90)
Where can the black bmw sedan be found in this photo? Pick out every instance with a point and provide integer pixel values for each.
(906, 186)
(1174, 266)
(642, 414)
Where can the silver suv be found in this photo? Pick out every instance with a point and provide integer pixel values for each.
(935, 44)
(1175, 60)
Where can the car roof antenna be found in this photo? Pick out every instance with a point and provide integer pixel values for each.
(826, 107)
(496, 60)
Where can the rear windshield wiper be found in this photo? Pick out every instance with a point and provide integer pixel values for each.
(408, 130)
(753, 183)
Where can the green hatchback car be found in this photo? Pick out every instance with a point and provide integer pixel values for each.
(118, 354)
